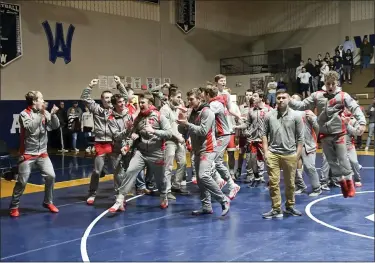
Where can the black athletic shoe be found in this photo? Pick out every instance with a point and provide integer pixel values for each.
(202, 212)
(292, 211)
(273, 214)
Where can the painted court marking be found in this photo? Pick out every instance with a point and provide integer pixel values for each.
(84, 255)
(371, 217)
(308, 212)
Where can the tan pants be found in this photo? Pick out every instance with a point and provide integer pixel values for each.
(288, 163)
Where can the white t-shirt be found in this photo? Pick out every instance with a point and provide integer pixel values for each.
(304, 77)
(271, 86)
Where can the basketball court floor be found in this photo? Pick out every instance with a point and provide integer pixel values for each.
(331, 229)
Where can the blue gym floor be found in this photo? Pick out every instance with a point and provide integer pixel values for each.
(331, 229)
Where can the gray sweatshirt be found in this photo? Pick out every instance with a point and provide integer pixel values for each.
(201, 129)
(34, 127)
(330, 108)
(101, 129)
(309, 130)
(353, 131)
(118, 127)
(171, 114)
(254, 126)
(285, 131)
(149, 143)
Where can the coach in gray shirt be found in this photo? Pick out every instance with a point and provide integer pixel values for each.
(282, 145)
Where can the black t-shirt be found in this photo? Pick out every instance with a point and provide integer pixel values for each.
(348, 59)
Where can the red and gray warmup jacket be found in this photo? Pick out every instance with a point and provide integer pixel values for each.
(330, 109)
(217, 106)
(148, 143)
(34, 127)
(201, 129)
(118, 123)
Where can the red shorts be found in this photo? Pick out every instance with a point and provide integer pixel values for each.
(257, 147)
(103, 148)
(232, 143)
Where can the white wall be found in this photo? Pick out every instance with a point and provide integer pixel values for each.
(244, 80)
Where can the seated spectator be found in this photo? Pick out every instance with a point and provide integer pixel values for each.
(348, 66)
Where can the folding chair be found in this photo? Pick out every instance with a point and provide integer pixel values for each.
(6, 167)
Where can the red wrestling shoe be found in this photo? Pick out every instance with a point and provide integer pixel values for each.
(344, 188)
(52, 208)
(14, 212)
(351, 188)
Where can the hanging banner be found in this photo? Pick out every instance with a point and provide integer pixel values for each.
(167, 80)
(185, 12)
(157, 81)
(129, 82)
(103, 82)
(10, 31)
(150, 83)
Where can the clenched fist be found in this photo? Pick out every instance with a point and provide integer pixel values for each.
(54, 109)
(93, 83)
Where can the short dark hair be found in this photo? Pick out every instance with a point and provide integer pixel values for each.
(211, 91)
(218, 77)
(196, 92)
(297, 94)
(116, 97)
(260, 93)
(249, 90)
(173, 91)
(106, 91)
(281, 91)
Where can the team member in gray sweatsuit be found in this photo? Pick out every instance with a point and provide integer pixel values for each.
(35, 121)
(352, 127)
(175, 147)
(152, 129)
(222, 134)
(253, 131)
(330, 103)
(103, 135)
(311, 130)
(200, 125)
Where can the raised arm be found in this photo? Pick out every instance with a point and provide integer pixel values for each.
(88, 101)
(28, 123)
(306, 104)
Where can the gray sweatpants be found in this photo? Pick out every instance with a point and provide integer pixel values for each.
(154, 162)
(308, 160)
(45, 167)
(220, 169)
(207, 186)
(335, 150)
(178, 152)
(254, 166)
(353, 159)
(113, 159)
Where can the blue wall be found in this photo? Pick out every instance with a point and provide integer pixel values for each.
(10, 107)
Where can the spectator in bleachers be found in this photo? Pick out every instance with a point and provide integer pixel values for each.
(271, 92)
(309, 66)
(304, 80)
(348, 66)
(327, 58)
(367, 50)
(74, 128)
(299, 68)
(323, 70)
(320, 59)
(281, 84)
(314, 72)
(371, 127)
(338, 67)
(331, 64)
(78, 111)
(87, 127)
(63, 130)
(339, 51)
(348, 44)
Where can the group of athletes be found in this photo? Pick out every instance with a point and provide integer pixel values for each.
(130, 139)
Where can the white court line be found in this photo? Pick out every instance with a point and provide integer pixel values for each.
(308, 212)
(85, 236)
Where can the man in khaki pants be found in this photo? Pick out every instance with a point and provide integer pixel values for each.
(282, 145)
